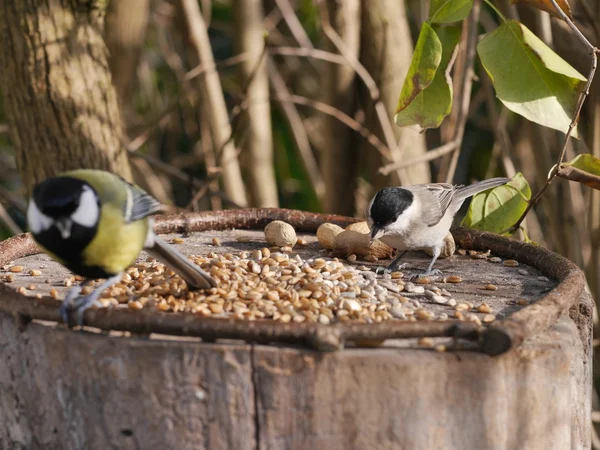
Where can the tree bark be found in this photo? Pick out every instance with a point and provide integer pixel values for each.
(257, 150)
(338, 159)
(386, 52)
(213, 101)
(66, 390)
(125, 31)
(61, 105)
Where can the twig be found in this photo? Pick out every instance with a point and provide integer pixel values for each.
(201, 69)
(309, 53)
(207, 11)
(298, 131)
(394, 152)
(590, 15)
(582, 96)
(342, 117)
(7, 220)
(595, 438)
(466, 83)
(428, 156)
(498, 125)
(180, 175)
(13, 199)
(296, 28)
(214, 101)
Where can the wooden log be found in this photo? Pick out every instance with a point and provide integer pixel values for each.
(73, 390)
(97, 389)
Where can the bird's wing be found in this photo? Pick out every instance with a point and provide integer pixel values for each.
(435, 200)
(139, 204)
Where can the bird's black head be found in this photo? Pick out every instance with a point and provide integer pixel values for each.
(58, 196)
(63, 216)
(387, 205)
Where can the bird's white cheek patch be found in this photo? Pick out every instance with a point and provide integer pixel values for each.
(36, 220)
(87, 213)
(403, 221)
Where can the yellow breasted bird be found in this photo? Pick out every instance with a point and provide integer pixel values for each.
(96, 224)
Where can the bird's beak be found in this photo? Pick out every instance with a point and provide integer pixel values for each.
(376, 232)
(64, 227)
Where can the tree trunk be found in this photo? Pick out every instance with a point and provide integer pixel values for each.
(61, 105)
(338, 159)
(125, 30)
(257, 151)
(386, 50)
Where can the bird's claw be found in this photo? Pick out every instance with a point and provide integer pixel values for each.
(64, 312)
(391, 268)
(80, 305)
(426, 274)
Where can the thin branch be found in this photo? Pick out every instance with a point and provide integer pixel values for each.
(7, 220)
(384, 120)
(214, 101)
(298, 131)
(342, 117)
(180, 175)
(201, 69)
(426, 157)
(309, 53)
(466, 83)
(595, 438)
(582, 96)
(16, 201)
(590, 16)
(573, 27)
(293, 23)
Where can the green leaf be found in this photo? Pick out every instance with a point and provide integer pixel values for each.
(529, 78)
(426, 97)
(446, 11)
(498, 209)
(584, 169)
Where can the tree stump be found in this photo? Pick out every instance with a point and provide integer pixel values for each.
(154, 380)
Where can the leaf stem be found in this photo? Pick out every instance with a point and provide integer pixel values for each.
(496, 10)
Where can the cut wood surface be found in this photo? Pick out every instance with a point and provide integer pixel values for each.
(154, 388)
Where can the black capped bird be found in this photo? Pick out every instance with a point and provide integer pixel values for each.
(96, 224)
(419, 217)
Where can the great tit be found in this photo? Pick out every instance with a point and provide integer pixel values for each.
(419, 217)
(96, 224)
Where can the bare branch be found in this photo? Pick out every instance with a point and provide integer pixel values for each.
(341, 116)
(466, 83)
(428, 156)
(582, 96)
(258, 148)
(179, 175)
(212, 96)
(298, 131)
(308, 53)
(7, 220)
(293, 23)
(365, 76)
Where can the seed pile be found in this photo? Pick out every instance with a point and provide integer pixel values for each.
(276, 285)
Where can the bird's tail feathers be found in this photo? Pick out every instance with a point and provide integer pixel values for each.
(483, 185)
(194, 276)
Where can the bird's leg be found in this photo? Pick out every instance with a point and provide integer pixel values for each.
(84, 302)
(394, 265)
(68, 300)
(430, 270)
